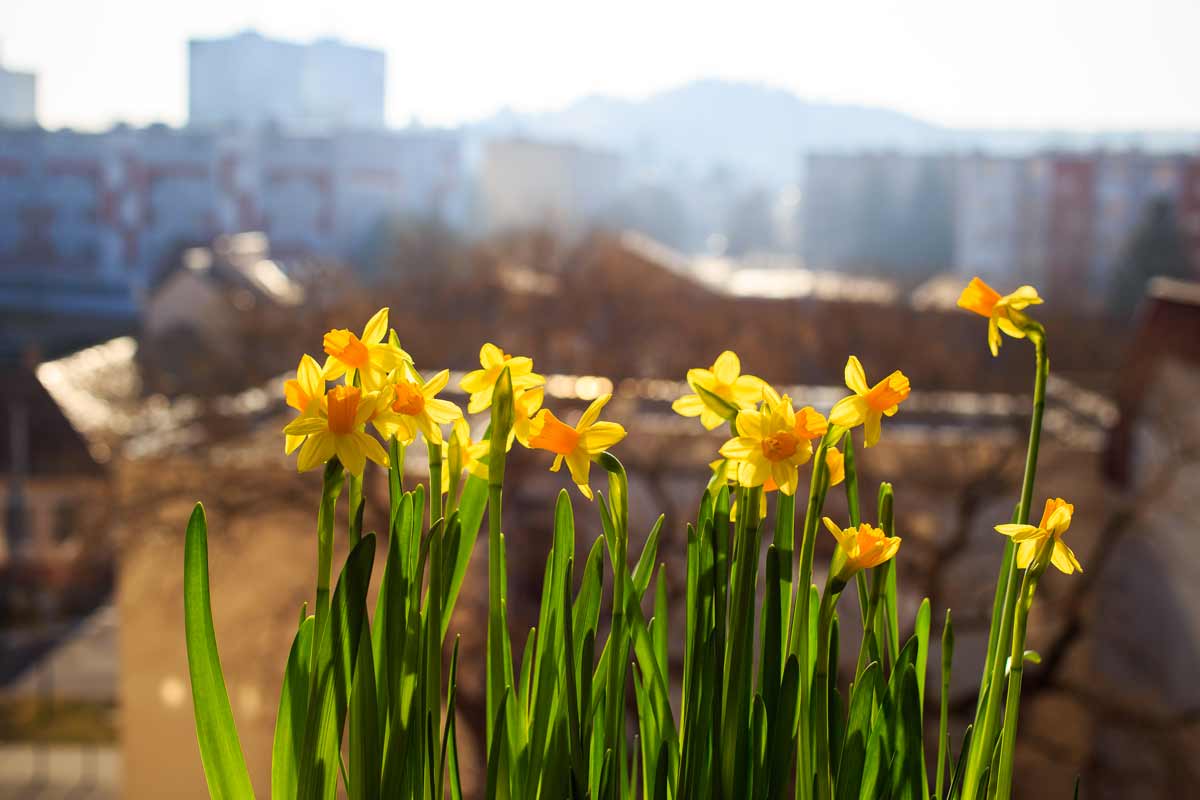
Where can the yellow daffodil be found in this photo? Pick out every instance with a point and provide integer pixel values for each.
(1003, 312)
(481, 382)
(335, 427)
(525, 405)
(859, 549)
(409, 406)
(768, 446)
(367, 356)
(579, 445)
(869, 404)
(1056, 518)
(301, 392)
(724, 379)
(834, 461)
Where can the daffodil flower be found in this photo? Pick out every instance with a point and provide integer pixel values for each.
(578, 445)
(335, 427)
(409, 406)
(461, 454)
(301, 392)
(1056, 518)
(768, 446)
(1003, 312)
(869, 404)
(481, 383)
(367, 356)
(724, 380)
(835, 462)
(859, 549)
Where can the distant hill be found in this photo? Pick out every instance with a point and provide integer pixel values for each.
(763, 132)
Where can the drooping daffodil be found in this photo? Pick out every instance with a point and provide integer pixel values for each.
(576, 445)
(481, 383)
(859, 548)
(1004, 313)
(1030, 539)
(367, 357)
(869, 404)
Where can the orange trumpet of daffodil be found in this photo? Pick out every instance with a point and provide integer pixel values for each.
(407, 406)
(869, 404)
(334, 426)
(768, 446)
(481, 383)
(1056, 518)
(367, 356)
(578, 445)
(724, 380)
(859, 549)
(1003, 312)
(300, 393)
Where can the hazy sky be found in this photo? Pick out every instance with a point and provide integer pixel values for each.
(1081, 64)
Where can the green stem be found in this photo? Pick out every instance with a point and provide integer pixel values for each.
(499, 679)
(435, 482)
(355, 496)
(1016, 669)
(618, 502)
(852, 506)
(984, 737)
(944, 718)
(331, 489)
(878, 579)
(817, 489)
(820, 692)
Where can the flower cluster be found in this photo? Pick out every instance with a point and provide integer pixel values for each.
(381, 388)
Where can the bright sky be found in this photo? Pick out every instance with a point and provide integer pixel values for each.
(1079, 64)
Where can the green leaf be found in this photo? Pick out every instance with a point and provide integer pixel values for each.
(470, 518)
(365, 756)
(220, 749)
(944, 704)
(858, 728)
(293, 709)
(335, 655)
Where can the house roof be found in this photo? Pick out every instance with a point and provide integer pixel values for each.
(51, 445)
(237, 261)
(1167, 327)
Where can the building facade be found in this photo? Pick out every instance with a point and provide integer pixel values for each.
(250, 81)
(111, 208)
(18, 99)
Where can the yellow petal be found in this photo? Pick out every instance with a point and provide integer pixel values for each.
(376, 327)
(371, 448)
(429, 429)
(490, 356)
(727, 367)
(856, 377)
(474, 381)
(710, 419)
(849, 412)
(834, 528)
(703, 378)
(290, 443)
(317, 449)
(1024, 296)
(690, 405)
(308, 375)
(1064, 559)
(593, 412)
(749, 424)
(600, 437)
(740, 448)
(1026, 550)
(784, 475)
(306, 425)
(579, 464)
(871, 428)
(1019, 533)
(749, 390)
(993, 336)
(442, 411)
(351, 454)
(436, 383)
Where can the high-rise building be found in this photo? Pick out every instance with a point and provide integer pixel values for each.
(248, 80)
(18, 99)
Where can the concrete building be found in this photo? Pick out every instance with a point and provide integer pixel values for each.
(18, 99)
(250, 81)
(111, 207)
(525, 183)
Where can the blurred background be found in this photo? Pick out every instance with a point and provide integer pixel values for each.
(190, 197)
